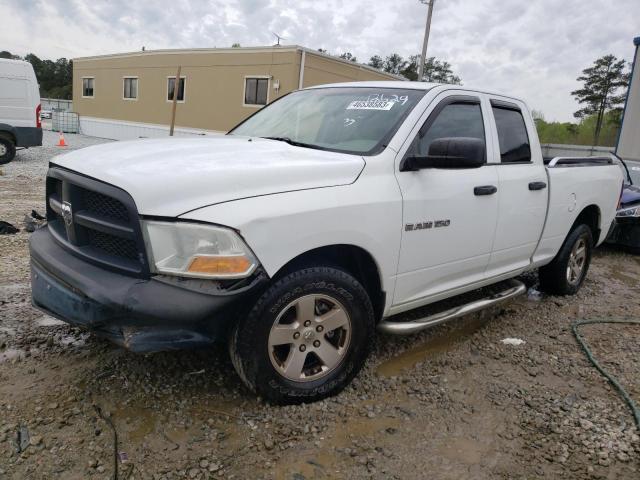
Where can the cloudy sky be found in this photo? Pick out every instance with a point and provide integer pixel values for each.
(530, 48)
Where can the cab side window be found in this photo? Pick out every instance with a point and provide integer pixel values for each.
(512, 135)
(459, 119)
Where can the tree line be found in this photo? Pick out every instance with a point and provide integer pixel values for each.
(437, 71)
(54, 76)
(602, 96)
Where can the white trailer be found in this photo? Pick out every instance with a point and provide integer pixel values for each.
(629, 140)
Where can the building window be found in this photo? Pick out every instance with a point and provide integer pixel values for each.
(87, 87)
(130, 88)
(171, 85)
(255, 91)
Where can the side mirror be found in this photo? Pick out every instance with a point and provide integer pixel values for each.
(454, 152)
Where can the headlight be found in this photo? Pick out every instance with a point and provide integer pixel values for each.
(629, 212)
(197, 250)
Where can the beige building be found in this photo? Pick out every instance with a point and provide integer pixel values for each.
(129, 95)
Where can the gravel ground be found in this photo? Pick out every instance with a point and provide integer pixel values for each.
(453, 402)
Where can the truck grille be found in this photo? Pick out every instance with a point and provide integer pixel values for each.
(95, 221)
(116, 246)
(105, 206)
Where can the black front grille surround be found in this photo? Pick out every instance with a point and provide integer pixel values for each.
(105, 227)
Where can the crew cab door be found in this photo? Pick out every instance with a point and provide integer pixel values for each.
(449, 215)
(522, 178)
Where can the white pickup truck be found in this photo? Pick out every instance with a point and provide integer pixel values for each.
(314, 222)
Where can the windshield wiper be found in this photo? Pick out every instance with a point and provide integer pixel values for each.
(293, 142)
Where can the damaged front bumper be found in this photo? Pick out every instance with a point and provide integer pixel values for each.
(142, 315)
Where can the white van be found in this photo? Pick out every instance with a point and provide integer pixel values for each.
(19, 108)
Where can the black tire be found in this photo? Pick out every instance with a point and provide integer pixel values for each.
(9, 150)
(249, 341)
(554, 277)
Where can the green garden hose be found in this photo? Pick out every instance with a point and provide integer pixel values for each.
(612, 379)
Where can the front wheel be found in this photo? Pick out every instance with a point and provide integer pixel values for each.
(565, 274)
(306, 338)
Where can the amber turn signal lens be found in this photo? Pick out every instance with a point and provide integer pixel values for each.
(220, 265)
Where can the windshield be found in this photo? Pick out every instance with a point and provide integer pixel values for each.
(350, 119)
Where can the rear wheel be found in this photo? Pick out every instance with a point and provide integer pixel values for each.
(7, 150)
(306, 338)
(566, 273)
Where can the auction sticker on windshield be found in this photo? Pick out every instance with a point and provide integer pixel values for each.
(370, 105)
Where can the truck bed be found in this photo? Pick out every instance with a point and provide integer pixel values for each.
(577, 183)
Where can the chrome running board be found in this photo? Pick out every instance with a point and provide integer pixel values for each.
(405, 328)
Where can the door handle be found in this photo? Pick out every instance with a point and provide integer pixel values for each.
(485, 190)
(537, 186)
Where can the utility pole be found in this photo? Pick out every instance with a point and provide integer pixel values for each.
(174, 102)
(427, 29)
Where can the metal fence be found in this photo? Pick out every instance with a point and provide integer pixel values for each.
(67, 122)
(56, 105)
(550, 150)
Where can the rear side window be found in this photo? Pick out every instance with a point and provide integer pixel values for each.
(512, 135)
(455, 120)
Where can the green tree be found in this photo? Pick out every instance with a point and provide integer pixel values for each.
(578, 133)
(348, 56)
(436, 71)
(9, 55)
(394, 63)
(376, 62)
(601, 92)
(236, 45)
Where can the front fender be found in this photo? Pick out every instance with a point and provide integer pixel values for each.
(280, 227)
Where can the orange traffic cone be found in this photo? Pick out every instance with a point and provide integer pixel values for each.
(61, 141)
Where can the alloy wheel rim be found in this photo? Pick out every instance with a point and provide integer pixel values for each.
(577, 261)
(3, 150)
(310, 338)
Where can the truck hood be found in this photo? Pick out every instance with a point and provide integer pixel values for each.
(171, 176)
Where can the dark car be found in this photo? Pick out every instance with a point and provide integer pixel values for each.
(626, 229)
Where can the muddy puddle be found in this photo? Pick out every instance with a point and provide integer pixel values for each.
(628, 278)
(322, 462)
(464, 450)
(140, 425)
(440, 343)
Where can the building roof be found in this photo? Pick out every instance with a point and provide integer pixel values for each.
(266, 49)
(184, 51)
